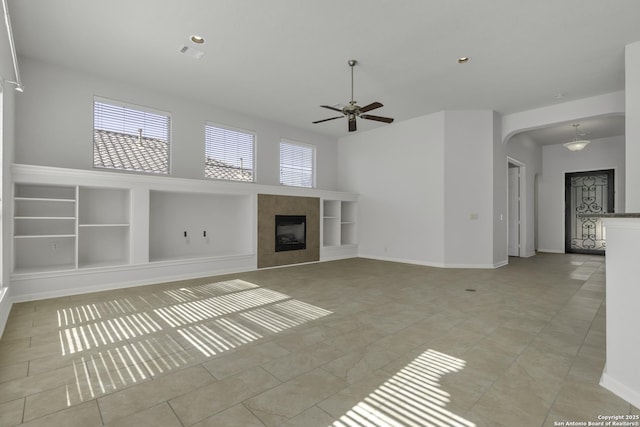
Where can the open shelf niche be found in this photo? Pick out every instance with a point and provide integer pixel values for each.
(339, 223)
(103, 226)
(44, 226)
(191, 225)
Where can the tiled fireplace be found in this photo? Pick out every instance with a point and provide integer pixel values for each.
(288, 230)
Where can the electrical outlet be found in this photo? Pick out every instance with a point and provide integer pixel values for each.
(54, 246)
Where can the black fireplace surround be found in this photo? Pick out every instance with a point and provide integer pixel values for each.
(291, 232)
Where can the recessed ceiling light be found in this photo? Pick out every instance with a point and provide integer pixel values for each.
(463, 60)
(197, 39)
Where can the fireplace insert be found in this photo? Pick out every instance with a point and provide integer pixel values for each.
(291, 232)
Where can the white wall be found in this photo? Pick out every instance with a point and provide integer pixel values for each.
(632, 125)
(606, 153)
(469, 198)
(398, 170)
(426, 189)
(621, 374)
(54, 125)
(525, 151)
(500, 195)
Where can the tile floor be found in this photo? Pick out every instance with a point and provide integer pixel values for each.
(347, 343)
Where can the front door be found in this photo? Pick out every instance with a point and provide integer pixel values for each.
(587, 193)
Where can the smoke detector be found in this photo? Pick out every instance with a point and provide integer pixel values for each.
(191, 51)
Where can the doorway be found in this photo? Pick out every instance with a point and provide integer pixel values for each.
(586, 193)
(516, 213)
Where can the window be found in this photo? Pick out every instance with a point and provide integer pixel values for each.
(130, 138)
(296, 164)
(228, 153)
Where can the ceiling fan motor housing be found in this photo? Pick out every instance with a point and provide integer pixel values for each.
(353, 110)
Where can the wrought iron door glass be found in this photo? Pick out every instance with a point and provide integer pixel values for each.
(589, 195)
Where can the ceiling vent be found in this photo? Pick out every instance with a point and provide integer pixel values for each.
(190, 51)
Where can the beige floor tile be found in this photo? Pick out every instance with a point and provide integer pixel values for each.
(84, 415)
(11, 412)
(505, 409)
(13, 371)
(356, 365)
(593, 400)
(235, 416)
(526, 348)
(140, 397)
(25, 386)
(457, 341)
(312, 417)
(244, 358)
(275, 406)
(49, 401)
(506, 341)
(206, 401)
(291, 365)
(157, 416)
(341, 402)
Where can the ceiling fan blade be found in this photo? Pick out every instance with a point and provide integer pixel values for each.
(370, 107)
(325, 120)
(332, 108)
(377, 118)
(352, 125)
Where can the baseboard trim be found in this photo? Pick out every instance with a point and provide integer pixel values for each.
(433, 264)
(551, 251)
(619, 389)
(402, 260)
(35, 296)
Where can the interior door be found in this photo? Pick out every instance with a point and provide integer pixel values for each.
(587, 193)
(514, 210)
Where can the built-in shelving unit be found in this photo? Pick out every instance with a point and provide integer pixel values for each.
(68, 227)
(44, 227)
(339, 228)
(331, 223)
(348, 223)
(85, 230)
(103, 226)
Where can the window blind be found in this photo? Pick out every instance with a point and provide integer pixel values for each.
(296, 164)
(129, 138)
(229, 153)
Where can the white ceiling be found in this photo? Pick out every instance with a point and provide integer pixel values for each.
(281, 59)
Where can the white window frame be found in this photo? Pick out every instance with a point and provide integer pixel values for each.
(238, 130)
(139, 108)
(313, 161)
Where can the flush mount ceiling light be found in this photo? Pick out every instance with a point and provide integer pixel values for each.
(463, 60)
(577, 144)
(197, 39)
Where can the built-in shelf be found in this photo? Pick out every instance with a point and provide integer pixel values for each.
(339, 223)
(67, 227)
(89, 230)
(103, 225)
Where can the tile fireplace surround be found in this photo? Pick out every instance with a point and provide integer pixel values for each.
(271, 205)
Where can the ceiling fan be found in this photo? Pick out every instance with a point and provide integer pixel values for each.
(353, 110)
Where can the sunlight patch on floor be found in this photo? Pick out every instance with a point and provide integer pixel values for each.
(412, 397)
(149, 335)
